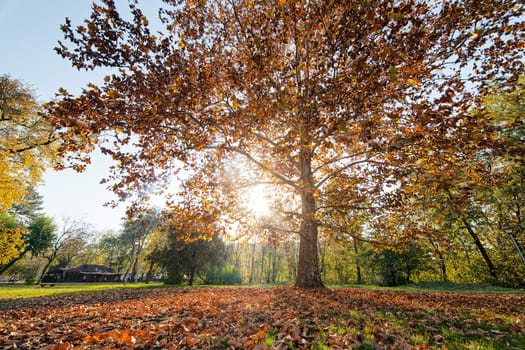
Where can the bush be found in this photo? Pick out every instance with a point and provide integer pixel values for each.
(223, 277)
(394, 268)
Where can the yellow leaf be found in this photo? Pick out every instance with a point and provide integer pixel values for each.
(112, 93)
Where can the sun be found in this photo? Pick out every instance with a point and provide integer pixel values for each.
(257, 201)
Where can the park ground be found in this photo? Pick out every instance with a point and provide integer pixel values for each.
(263, 318)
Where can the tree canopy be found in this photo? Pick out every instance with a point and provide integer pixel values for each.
(26, 142)
(303, 94)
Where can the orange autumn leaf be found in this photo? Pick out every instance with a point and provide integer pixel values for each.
(146, 318)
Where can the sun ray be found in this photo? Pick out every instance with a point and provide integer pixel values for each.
(258, 201)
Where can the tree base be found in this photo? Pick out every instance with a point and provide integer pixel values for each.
(309, 283)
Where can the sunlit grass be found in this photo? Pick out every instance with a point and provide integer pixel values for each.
(10, 291)
(439, 287)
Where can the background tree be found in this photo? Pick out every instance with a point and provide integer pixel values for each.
(304, 92)
(186, 256)
(13, 226)
(502, 206)
(37, 239)
(30, 206)
(67, 241)
(152, 253)
(26, 145)
(457, 207)
(110, 250)
(136, 232)
(396, 268)
(11, 239)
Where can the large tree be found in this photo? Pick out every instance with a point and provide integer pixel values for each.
(302, 92)
(26, 141)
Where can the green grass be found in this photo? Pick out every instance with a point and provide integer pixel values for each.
(440, 287)
(10, 291)
(458, 287)
(460, 341)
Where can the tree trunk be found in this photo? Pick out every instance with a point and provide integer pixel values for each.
(479, 245)
(275, 265)
(130, 266)
(357, 263)
(291, 260)
(252, 266)
(308, 274)
(517, 246)
(150, 272)
(134, 270)
(192, 275)
(441, 260)
(263, 258)
(46, 267)
(321, 251)
(443, 268)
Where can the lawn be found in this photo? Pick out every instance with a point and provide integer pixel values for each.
(443, 287)
(261, 318)
(16, 290)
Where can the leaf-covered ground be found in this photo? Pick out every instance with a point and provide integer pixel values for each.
(261, 318)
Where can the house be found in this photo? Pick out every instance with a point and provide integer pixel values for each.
(82, 273)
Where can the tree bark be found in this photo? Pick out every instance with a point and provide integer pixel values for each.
(357, 263)
(252, 266)
(443, 267)
(479, 245)
(48, 263)
(192, 275)
(517, 246)
(308, 273)
(441, 259)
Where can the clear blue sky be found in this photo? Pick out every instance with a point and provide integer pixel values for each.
(29, 30)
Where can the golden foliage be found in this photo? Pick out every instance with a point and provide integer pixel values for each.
(11, 240)
(26, 142)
